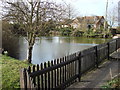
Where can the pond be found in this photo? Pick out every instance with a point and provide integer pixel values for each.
(49, 48)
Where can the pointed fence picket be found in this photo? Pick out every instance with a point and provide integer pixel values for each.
(62, 72)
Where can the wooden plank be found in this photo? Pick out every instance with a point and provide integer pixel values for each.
(118, 43)
(61, 87)
(29, 69)
(55, 74)
(108, 50)
(28, 80)
(23, 79)
(112, 46)
(52, 81)
(63, 72)
(87, 51)
(96, 56)
(34, 78)
(49, 77)
(65, 69)
(36, 73)
(38, 78)
(32, 86)
(42, 82)
(79, 67)
(45, 76)
(73, 64)
(58, 74)
(68, 70)
(74, 71)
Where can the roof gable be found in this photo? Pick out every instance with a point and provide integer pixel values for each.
(88, 19)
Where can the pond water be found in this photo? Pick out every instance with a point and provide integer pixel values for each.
(49, 48)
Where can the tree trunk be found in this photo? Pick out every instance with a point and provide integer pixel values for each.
(30, 53)
(31, 41)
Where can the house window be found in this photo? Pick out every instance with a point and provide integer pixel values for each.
(89, 26)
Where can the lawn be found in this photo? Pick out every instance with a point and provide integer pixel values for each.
(11, 71)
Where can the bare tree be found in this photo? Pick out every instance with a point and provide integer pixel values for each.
(70, 11)
(33, 16)
(112, 16)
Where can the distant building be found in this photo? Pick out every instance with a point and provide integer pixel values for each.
(88, 22)
(85, 23)
(66, 22)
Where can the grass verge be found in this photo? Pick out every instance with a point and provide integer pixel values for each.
(10, 69)
(115, 83)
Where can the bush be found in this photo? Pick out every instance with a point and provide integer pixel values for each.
(77, 33)
(115, 83)
(66, 31)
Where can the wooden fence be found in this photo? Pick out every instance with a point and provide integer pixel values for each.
(62, 72)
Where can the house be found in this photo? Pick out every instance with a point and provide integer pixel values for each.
(67, 23)
(88, 22)
(76, 22)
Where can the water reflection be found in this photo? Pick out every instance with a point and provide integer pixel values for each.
(48, 48)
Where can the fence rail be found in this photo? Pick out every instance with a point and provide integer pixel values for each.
(62, 72)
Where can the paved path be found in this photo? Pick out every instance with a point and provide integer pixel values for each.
(116, 55)
(98, 77)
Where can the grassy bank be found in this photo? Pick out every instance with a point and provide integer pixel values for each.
(10, 71)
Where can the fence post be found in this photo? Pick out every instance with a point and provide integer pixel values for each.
(79, 66)
(23, 79)
(96, 54)
(116, 44)
(108, 50)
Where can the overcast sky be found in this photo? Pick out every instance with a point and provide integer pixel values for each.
(88, 7)
(91, 7)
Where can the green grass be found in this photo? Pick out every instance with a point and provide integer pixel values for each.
(11, 71)
(115, 83)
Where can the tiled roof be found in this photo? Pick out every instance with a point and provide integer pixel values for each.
(89, 19)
